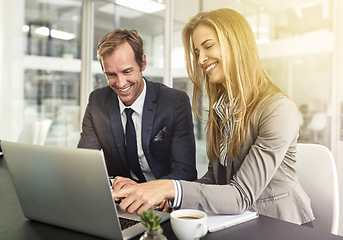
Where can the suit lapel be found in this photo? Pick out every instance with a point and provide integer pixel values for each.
(116, 126)
(149, 111)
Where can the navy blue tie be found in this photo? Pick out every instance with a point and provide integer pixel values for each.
(131, 146)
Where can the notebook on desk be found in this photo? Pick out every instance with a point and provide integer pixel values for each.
(69, 188)
(219, 222)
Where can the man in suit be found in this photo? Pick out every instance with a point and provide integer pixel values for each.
(162, 118)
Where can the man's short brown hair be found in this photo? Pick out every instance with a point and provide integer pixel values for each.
(118, 36)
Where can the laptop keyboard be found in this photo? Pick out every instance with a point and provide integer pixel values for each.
(125, 222)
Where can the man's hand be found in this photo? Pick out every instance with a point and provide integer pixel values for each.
(141, 197)
(121, 182)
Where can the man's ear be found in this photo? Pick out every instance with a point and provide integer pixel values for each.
(143, 63)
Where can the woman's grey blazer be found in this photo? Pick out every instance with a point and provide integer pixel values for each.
(263, 177)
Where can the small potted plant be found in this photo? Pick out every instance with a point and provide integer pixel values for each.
(151, 222)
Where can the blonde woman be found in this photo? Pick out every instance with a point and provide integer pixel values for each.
(252, 130)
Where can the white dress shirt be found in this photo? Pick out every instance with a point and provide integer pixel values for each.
(137, 106)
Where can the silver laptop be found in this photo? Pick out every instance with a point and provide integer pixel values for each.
(69, 188)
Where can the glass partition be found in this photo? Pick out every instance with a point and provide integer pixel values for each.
(52, 67)
(52, 28)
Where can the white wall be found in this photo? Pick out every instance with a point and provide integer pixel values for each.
(338, 95)
(11, 68)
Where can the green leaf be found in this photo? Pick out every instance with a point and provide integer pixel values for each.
(151, 220)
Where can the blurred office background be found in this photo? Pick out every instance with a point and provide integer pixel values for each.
(48, 60)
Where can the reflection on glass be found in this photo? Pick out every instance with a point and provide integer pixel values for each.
(307, 80)
(54, 95)
(52, 30)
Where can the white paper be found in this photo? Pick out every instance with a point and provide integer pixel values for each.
(219, 222)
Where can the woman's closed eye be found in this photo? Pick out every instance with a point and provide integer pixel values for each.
(209, 46)
(197, 52)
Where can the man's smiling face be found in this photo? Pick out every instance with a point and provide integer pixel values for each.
(123, 73)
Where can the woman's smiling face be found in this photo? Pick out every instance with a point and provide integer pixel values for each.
(208, 51)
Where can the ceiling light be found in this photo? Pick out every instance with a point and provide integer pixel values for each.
(44, 31)
(62, 35)
(64, 3)
(26, 28)
(146, 6)
(122, 11)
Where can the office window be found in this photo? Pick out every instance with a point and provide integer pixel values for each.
(52, 67)
(299, 58)
(52, 28)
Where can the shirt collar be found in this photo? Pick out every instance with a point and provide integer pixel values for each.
(137, 105)
(221, 107)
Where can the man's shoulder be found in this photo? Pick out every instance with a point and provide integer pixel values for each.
(102, 95)
(102, 90)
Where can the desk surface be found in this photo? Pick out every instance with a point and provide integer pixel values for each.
(13, 224)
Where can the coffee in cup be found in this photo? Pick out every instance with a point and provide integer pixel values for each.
(189, 224)
(190, 217)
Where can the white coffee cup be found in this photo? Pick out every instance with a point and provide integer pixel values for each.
(189, 224)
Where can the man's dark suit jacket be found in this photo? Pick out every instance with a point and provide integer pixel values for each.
(167, 132)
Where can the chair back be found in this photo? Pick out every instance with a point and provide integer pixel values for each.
(43, 131)
(35, 132)
(29, 133)
(317, 174)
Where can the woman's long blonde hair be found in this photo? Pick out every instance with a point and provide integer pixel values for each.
(246, 80)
